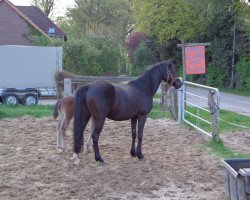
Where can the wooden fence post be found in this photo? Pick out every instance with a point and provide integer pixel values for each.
(174, 104)
(67, 86)
(164, 96)
(180, 103)
(214, 115)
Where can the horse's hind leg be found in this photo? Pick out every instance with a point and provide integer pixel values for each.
(98, 125)
(90, 141)
(133, 129)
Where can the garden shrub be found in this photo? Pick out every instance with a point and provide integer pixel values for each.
(243, 72)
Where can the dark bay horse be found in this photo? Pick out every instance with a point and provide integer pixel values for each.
(133, 100)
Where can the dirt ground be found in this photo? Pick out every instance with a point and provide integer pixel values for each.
(175, 166)
(238, 141)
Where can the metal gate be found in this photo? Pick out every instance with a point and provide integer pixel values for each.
(199, 99)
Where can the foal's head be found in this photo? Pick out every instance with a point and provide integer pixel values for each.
(170, 75)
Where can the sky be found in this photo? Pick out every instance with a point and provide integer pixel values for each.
(60, 5)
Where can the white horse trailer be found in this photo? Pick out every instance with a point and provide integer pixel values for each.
(27, 73)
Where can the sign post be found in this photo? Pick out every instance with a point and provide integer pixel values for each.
(193, 61)
(193, 58)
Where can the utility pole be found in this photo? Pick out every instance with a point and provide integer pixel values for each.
(232, 81)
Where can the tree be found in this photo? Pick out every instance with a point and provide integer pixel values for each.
(143, 58)
(46, 6)
(170, 19)
(198, 21)
(101, 18)
(132, 42)
(228, 40)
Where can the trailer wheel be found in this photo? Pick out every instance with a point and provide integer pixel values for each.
(11, 99)
(30, 99)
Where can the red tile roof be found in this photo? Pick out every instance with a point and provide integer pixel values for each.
(41, 20)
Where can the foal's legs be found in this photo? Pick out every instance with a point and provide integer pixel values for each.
(90, 141)
(65, 124)
(141, 123)
(59, 132)
(133, 129)
(98, 125)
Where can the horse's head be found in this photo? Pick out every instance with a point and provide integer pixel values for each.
(170, 75)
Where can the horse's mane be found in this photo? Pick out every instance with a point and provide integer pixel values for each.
(151, 78)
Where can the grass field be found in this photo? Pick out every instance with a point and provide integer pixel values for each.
(41, 111)
(219, 149)
(226, 117)
(20, 110)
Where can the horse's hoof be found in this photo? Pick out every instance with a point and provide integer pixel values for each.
(102, 163)
(77, 161)
(65, 150)
(99, 159)
(76, 158)
(133, 153)
(140, 156)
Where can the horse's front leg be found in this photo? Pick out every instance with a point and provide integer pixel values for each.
(133, 130)
(141, 123)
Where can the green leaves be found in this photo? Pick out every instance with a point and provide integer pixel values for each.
(93, 56)
(243, 69)
(101, 18)
(169, 19)
(80, 58)
(143, 57)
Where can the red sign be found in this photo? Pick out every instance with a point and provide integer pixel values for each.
(195, 60)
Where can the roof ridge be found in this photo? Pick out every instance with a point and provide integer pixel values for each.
(44, 15)
(26, 18)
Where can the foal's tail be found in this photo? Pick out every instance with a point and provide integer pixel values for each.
(81, 118)
(56, 108)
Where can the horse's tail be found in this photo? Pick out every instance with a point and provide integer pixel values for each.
(81, 118)
(56, 108)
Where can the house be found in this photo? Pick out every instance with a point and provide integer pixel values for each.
(19, 23)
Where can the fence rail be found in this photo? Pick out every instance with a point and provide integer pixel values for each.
(213, 102)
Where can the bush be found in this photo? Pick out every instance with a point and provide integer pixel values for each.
(111, 57)
(215, 76)
(243, 72)
(80, 57)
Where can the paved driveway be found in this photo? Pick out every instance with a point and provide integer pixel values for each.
(230, 102)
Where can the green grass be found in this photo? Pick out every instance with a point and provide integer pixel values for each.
(234, 91)
(157, 112)
(157, 96)
(41, 111)
(20, 110)
(225, 116)
(219, 149)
